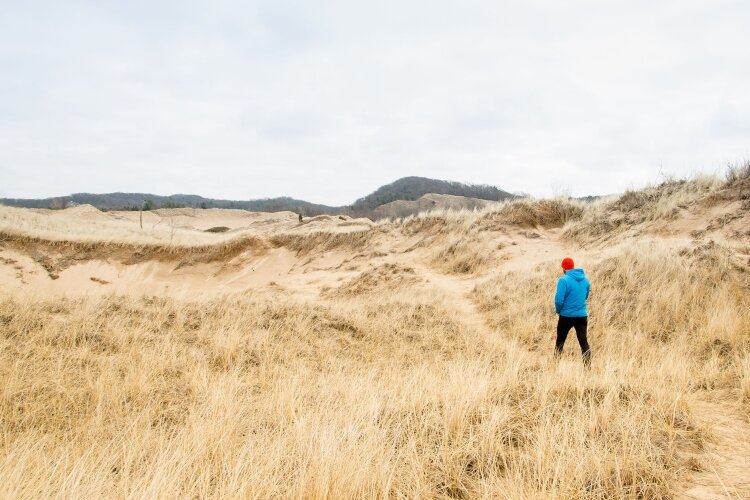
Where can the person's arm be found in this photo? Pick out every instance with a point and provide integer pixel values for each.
(560, 295)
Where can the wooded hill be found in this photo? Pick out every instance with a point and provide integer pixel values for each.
(407, 189)
(412, 188)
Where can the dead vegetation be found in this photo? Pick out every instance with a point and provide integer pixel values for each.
(387, 278)
(464, 255)
(170, 398)
(607, 219)
(532, 214)
(738, 178)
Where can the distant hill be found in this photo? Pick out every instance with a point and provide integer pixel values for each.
(407, 189)
(134, 201)
(413, 188)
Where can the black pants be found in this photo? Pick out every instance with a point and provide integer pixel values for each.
(563, 327)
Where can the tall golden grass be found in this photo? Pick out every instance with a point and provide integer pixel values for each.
(377, 397)
(608, 218)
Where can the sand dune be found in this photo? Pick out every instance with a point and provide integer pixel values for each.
(509, 242)
(338, 357)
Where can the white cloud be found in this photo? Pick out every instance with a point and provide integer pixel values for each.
(327, 100)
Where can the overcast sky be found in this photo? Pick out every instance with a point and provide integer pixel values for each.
(327, 100)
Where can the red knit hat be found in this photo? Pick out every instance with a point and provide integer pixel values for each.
(568, 264)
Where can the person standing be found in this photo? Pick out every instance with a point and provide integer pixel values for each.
(573, 289)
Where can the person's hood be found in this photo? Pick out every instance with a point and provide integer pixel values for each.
(576, 274)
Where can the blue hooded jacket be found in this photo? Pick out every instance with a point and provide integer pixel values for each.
(572, 291)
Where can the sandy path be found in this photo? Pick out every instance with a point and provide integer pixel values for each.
(727, 454)
(457, 290)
